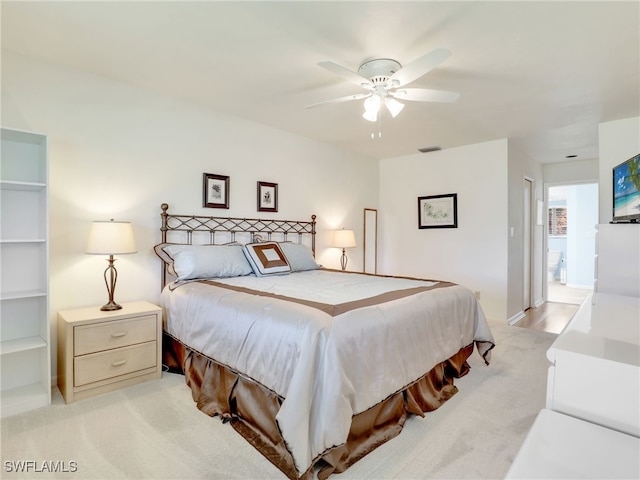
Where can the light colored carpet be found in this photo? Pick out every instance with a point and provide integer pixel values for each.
(154, 430)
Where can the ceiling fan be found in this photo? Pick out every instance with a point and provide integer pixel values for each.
(384, 79)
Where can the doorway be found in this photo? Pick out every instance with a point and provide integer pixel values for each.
(572, 214)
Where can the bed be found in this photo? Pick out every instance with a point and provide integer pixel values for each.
(314, 367)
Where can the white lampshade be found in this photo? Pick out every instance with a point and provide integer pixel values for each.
(371, 108)
(344, 239)
(394, 106)
(111, 238)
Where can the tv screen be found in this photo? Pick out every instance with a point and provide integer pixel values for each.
(626, 191)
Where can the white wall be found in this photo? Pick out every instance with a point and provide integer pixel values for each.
(576, 171)
(619, 141)
(475, 253)
(117, 151)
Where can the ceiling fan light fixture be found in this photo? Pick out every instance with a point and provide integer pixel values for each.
(370, 115)
(385, 78)
(394, 106)
(371, 108)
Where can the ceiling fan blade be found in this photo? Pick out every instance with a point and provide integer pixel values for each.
(420, 66)
(348, 98)
(424, 95)
(347, 74)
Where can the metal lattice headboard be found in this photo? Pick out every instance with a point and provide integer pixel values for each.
(225, 229)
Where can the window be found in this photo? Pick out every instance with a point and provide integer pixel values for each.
(557, 221)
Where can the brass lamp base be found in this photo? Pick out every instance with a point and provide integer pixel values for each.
(343, 259)
(110, 278)
(107, 307)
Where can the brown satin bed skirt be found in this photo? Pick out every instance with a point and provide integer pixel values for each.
(251, 408)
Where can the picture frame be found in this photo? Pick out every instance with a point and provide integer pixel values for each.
(267, 197)
(215, 191)
(438, 211)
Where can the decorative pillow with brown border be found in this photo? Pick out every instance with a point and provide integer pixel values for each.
(266, 258)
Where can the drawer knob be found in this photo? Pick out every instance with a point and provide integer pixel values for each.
(118, 334)
(118, 363)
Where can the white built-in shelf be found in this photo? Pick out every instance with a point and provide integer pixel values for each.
(25, 382)
(23, 240)
(22, 294)
(24, 186)
(21, 345)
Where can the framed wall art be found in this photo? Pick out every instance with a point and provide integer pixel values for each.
(438, 211)
(267, 197)
(215, 191)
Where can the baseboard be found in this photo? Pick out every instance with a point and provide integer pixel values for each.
(516, 318)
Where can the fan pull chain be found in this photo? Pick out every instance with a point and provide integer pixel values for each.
(373, 135)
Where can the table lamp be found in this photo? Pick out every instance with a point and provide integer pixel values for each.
(344, 239)
(111, 238)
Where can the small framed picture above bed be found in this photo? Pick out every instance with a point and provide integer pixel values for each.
(267, 197)
(215, 191)
(438, 211)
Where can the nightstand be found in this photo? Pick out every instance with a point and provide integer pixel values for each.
(102, 351)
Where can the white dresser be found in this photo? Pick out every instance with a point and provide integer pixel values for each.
(590, 427)
(617, 262)
(595, 372)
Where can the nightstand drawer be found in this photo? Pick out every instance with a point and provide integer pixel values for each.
(99, 366)
(108, 335)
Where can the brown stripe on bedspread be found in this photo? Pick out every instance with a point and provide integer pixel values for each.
(338, 309)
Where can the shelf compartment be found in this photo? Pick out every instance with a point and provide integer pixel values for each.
(24, 157)
(24, 398)
(22, 318)
(29, 221)
(24, 268)
(25, 367)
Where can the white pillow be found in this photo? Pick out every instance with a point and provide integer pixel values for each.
(159, 249)
(266, 258)
(207, 261)
(299, 256)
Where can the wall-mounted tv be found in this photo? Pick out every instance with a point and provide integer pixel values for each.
(626, 191)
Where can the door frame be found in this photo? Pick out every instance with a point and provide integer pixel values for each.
(528, 239)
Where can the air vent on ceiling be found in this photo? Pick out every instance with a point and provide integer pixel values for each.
(429, 149)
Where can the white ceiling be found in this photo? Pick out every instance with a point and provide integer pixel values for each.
(543, 74)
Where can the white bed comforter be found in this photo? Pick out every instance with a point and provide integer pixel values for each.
(327, 367)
